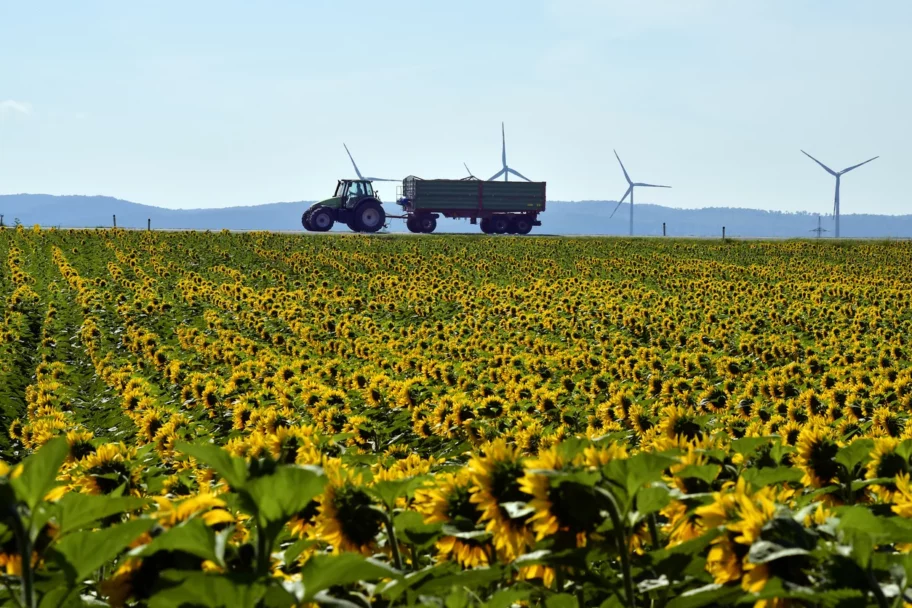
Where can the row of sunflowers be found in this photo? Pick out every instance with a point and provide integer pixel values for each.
(222, 419)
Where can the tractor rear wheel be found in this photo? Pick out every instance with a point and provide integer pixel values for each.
(305, 220)
(499, 224)
(321, 219)
(369, 217)
(522, 225)
(427, 224)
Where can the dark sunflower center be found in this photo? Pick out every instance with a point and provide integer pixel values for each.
(110, 475)
(821, 460)
(359, 523)
(459, 505)
(892, 464)
(575, 507)
(687, 427)
(505, 482)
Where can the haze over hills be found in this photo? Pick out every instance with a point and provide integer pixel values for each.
(585, 217)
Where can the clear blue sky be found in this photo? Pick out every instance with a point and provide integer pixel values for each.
(217, 103)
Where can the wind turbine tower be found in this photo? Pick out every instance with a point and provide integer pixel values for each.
(358, 172)
(630, 187)
(506, 171)
(838, 175)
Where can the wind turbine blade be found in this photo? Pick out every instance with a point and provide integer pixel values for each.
(379, 179)
(353, 161)
(518, 174)
(858, 165)
(496, 175)
(627, 177)
(827, 169)
(620, 202)
(503, 135)
(652, 185)
(467, 169)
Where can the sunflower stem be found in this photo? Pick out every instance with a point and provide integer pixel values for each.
(394, 542)
(875, 587)
(620, 538)
(25, 552)
(653, 530)
(263, 551)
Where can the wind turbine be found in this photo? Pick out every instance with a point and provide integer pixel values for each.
(630, 186)
(506, 171)
(472, 175)
(361, 177)
(838, 175)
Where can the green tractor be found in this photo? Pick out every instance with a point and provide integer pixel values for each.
(354, 203)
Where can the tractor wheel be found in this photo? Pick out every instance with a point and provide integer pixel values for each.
(427, 224)
(500, 224)
(412, 224)
(321, 219)
(369, 217)
(305, 221)
(485, 225)
(522, 225)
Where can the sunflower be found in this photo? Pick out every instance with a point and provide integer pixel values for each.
(449, 501)
(109, 468)
(496, 474)
(817, 447)
(213, 509)
(119, 587)
(80, 442)
(567, 510)
(886, 462)
(346, 517)
(679, 425)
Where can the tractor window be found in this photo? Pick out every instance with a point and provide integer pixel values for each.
(340, 189)
(355, 190)
(368, 189)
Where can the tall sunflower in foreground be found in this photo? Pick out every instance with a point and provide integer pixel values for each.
(568, 511)
(886, 462)
(817, 448)
(107, 469)
(742, 514)
(450, 502)
(346, 518)
(496, 474)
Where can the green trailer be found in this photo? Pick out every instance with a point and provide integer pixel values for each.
(499, 207)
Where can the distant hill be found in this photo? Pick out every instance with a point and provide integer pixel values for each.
(585, 217)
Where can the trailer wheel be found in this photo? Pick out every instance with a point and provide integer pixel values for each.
(369, 216)
(522, 225)
(485, 225)
(321, 219)
(411, 224)
(426, 223)
(500, 224)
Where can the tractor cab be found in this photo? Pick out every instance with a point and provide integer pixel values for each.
(351, 191)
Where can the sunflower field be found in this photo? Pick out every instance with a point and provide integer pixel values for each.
(222, 419)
